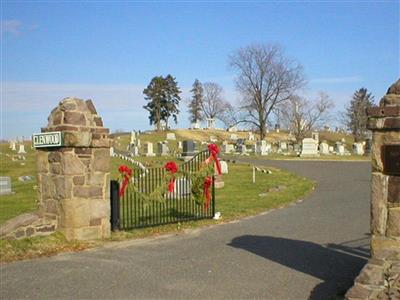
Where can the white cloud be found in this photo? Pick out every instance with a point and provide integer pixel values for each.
(12, 27)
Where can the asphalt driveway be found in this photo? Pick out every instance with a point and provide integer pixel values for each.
(311, 250)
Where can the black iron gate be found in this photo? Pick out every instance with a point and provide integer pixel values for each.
(131, 211)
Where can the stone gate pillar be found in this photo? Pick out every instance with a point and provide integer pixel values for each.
(384, 121)
(73, 180)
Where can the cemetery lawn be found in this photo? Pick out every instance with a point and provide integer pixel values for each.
(239, 198)
(24, 198)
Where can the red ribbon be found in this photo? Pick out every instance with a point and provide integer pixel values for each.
(214, 150)
(126, 172)
(172, 168)
(207, 184)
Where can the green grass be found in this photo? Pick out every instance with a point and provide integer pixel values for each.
(239, 198)
(24, 198)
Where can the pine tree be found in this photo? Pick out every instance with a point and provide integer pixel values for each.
(163, 96)
(356, 113)
(171, 100)
(195, 105)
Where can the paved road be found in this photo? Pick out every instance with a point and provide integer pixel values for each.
(311, 250)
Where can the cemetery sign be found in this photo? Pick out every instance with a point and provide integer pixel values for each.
(48, 139)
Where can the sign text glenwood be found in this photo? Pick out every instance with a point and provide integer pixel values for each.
(47, 139)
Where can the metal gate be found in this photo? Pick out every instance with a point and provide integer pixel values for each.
(131, 211)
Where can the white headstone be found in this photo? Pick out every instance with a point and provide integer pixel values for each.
(242, 149)
(210, 123)
(21, 149)
(224, 167)
(133, 137)
(13, 146)
(324, 148)
(163, 149)
(358, 149)
(5, 185)
(228, 148)
(148, 149)
(251, 136)
(180, 145)
(111, 151)
(315, 136)
(213, 139)
(309, 148)
(171, 136)
(232, 129)
(195, 125)
(261, 147)
(233, 137)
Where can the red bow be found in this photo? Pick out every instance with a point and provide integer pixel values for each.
(207, 184)
(214, 150)
(126, 172)
(172, 168)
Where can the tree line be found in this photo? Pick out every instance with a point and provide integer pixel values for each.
(270, 86)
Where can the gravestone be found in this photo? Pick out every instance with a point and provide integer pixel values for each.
(111, 151)
(339, 148)
(133, 137)
(180, 145)
(282, 145)
(324, 148)
(13, 146)
(162, 149)
(250, 136)
(188, 148)
(21, 149)
(315, 136)
(148, 149)
(73, 179)
(210, 123)
(261, 147)
(358, 149)
(228, 148)
(224, 167)
(232, 129)
(171, 136)
(233, 137)
(309, 148)
(213, 139)
(138, 143)
(5, 185)
(195, 125)
(242, 149)
(182, 187)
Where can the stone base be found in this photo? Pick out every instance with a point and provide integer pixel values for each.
(150, 154)
(379, 278)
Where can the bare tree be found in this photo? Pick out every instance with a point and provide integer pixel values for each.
(265, 79)
(301, 116)
(213, 104)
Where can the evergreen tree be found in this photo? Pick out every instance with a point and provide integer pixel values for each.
(356, 113)
(163, 96)
(195, 105)
(171, 99)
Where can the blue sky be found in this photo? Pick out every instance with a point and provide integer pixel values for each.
(109, 51)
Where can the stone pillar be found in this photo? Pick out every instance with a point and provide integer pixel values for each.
(73, 180)
(384, 121)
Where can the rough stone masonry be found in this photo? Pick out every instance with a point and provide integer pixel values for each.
(380, 278)
(73, 180)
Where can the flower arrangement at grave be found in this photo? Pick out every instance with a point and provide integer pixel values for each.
(201, 181)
